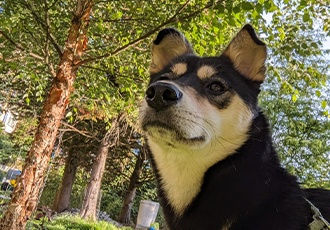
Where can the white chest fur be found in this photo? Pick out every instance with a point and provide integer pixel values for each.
(182, 172)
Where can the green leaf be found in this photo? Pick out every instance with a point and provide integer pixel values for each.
(268, 5)
(306, 17)
(324, 104)
(294, 97)
(318, 93)
(314, 45)
(303, 3)
(247, 6)
(201, 50)
(259, 8)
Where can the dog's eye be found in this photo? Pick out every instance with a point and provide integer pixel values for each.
(216, 87)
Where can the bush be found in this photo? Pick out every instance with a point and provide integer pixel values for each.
(2, 175)
(78, 189)
(113, 199)
(52, 184)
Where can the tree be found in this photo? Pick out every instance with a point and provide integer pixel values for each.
(63, 196)
(88, 209)
(25, 194)
(125, 213)
(79, 148)
(110, 139)
(127, 171)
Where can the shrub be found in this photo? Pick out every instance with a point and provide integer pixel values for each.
(2, 175)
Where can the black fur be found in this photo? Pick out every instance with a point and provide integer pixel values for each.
(253, 35)
(249, 189)
(163, 33)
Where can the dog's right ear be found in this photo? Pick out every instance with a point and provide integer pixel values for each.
(248, 54)
(168, 45)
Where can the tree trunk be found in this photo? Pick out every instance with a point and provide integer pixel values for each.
(125, 213)
(88, 209)
(63, 196)
(25, 195)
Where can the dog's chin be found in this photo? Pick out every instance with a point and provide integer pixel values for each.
(174, 136)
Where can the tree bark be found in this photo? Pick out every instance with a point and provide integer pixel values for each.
(63, 196)
(88, 209)
(125, 213)
(25, 195)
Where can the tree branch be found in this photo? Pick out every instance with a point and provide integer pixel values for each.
(20, 47)
(52, 5)
(44, 26)
(72, 128)
(171, 20)
(123, 20)
(91, 67)
(47, 55)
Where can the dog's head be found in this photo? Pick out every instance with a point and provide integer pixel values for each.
(193, 102)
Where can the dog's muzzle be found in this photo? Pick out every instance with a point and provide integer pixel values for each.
(161, 95)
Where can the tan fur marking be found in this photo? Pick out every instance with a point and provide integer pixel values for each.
(179, 69)
(182, 166)
(247, 57)
(170, 47)
(205, 71)
(227, 227)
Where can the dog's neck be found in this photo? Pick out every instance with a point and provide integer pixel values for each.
(181, 170)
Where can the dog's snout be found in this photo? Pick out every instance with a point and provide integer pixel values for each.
(161, 95)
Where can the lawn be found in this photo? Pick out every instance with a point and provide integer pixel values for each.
(67, 222)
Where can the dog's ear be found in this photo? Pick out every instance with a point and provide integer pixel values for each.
(168, 45)
(248, 54)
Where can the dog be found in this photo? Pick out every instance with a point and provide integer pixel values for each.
(210, 144)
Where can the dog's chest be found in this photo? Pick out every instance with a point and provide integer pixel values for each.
(182, 173)
(181, 176)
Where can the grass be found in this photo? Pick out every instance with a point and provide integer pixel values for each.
(67, 222)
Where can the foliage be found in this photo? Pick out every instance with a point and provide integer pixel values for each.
(301, 135)
(6, 149)
(52, 185)
(73, 222)
(300, 123)
(16, 145)
(113, 74)
(78, 188)
(113, 193)
(2, 174)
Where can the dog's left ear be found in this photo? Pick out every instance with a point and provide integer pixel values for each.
(248, 54)
(168, 45)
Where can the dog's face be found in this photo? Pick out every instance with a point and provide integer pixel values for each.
(192, 101)
(198, 110)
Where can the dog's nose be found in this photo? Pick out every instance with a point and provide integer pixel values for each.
(161, 95)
